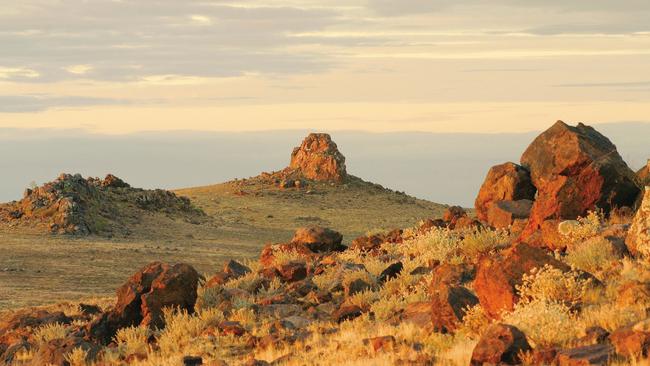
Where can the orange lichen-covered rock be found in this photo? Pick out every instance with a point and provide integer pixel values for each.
(497, 276)
(505, 182)
(576, 169)
(318, 158)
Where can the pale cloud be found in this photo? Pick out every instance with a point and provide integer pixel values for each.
(18, 73)
(78, 69)
(201, 19)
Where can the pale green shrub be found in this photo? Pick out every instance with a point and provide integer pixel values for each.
(592, 255)
(133, 340)
(582, 229)
(482, 241)
(49, 332)
(545, 323)
(551, 284)
(77, 357)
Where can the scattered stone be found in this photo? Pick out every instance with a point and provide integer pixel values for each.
(55, 351)
(638, 237)
(576, 169)
(355, 287)
(505, 182)
(448, 305)
(500, 344)
(453, 214)
(596, 355)
(292, 271)
(346, 312)
(630, 343)
(318, 239)
(391, 271)
(141, 299)
(497, 276)
(633, 292)
(502, 214)
(429, 224)
(236, 269)
(232, 328)
(418, 313)
(319, 159)
(383, 343)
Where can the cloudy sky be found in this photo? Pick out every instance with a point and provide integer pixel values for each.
(120, 66)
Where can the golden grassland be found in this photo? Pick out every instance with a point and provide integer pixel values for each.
(37, 268)
(555, 308)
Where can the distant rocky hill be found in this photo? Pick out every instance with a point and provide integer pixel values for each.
(72, 204)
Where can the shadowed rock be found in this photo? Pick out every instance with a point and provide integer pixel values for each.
(141, 299)
(505, 182)
(500, 344)
(638, 237)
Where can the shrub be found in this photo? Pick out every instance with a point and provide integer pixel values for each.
(482, 241)
(49, 332)
(551, 284)
(545, 323)
(592, 255)
(77, 357)
(583, 228)
(132, 340)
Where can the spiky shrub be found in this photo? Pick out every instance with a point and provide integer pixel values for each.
(583, 228)
(50, 332)
(551, 284)
(77, 357)
(132, 340)
(592, 255)
(477, 242)
(546, 323)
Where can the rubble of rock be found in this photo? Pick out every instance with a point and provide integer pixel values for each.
(72, 204)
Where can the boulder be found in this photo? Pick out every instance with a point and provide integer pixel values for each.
(355, 287)
(319, 159)
(448, 305)
(505, 182)
(638, 237)
(292, 271)
(417, 313)
(318, 239)
(141, 299)
(501, 344)
(373, 242)
(502, 214)
(575, 170)
(497, 276)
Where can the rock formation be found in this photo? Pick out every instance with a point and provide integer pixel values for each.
(319, 159)
(74, 205)
(505, 182)
(575, 170)
(638, 237)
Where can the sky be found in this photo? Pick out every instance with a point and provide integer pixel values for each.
(501, 66)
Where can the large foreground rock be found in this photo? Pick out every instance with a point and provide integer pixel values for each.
(638, 237)
(318, 158)
(576, 169)
(141, 299)
(505, 182)
(497, 276)
(644, 174)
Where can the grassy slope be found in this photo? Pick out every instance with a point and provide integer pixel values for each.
(38, 268)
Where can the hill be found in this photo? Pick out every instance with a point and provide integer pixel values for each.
(75, 236)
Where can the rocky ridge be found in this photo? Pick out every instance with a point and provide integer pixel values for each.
(72, 204)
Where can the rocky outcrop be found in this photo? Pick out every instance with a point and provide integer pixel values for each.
(576, 169)
(505, 182)
(319, 239)
(319, 159)
(141, 299)
(74, 205)
(498, 276)
(638, 237)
